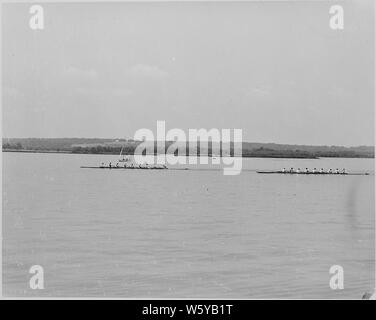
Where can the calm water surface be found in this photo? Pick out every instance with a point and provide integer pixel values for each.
(192, 233)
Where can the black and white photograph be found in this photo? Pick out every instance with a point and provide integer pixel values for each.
(188, 150)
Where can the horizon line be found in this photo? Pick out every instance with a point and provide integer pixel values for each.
(127, 139)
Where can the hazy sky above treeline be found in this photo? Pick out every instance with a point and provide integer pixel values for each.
(274, 69)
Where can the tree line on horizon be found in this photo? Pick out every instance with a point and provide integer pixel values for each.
(114, 146)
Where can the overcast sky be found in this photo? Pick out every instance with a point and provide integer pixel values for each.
(275, 70)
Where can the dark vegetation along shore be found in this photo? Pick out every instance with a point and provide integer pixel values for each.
(114, 146)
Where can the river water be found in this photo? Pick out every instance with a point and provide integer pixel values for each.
(186, 233)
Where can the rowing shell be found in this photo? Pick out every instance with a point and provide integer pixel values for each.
(131, 168)
(315, 173)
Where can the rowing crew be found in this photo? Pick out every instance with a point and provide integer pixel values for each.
(330, 171)
(131, 166)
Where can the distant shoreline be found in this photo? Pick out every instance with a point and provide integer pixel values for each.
(205, 148)
(131, 154)
(244, 156)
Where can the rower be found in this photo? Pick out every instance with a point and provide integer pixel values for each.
(298, 170)
(306, 170)
(314, 170)
(109, 165)
(337, 171)
(343, 171)
(321, 170)
(330, 171)
(292, 170)
(284, 170)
